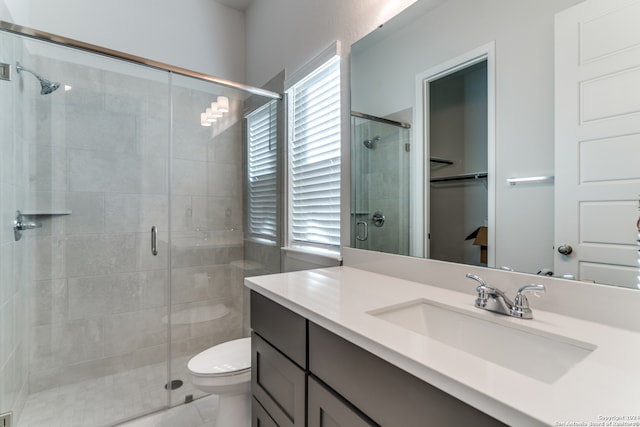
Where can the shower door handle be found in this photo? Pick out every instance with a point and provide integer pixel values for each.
(366, 231)
(154, 240)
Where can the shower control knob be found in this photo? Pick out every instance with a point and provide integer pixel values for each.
(378, 219)
(565, 249)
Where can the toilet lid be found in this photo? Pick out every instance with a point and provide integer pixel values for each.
(223, 359)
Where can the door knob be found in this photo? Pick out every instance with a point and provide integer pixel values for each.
(565, 249)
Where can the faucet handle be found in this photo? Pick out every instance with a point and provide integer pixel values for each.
(526, 289)
(521, 304)
(483, 290)
(478, 279)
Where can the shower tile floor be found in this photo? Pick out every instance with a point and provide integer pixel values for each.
(201, 413)
(108, 400)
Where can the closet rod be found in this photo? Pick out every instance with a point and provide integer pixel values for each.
(440, 160)
(464, 176)
(381, 120)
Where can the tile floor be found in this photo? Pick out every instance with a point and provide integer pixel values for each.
(200, 413)
(108, 400)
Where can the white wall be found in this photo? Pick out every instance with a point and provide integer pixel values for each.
(288, 33)
(205, 36)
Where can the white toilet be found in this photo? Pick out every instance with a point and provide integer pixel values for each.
(225, 370)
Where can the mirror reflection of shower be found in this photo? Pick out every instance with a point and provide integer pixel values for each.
(47, 86)
(380, 184)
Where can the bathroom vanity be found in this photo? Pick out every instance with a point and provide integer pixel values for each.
(298, 362)
(356, 347)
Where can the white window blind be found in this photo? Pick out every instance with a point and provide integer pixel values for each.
(314, 157)
(261, 170)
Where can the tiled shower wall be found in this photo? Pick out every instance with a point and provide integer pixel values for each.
(98, 300)
(14, 258)
(91, 268)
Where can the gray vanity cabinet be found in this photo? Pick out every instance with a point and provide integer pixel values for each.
(302, 372)
(260, 417)
(279, 362)
(326, 409)
(387, 394)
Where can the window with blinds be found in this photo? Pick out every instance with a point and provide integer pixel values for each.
(314, 157)
(261, 171)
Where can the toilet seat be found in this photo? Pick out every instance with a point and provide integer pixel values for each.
(229, 358)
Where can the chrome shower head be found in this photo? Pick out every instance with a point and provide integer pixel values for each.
(47, 86)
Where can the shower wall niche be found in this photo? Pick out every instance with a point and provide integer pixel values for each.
(91, 321)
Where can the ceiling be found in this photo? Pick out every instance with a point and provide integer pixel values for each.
(241, 5)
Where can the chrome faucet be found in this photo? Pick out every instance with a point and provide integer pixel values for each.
(493, 299)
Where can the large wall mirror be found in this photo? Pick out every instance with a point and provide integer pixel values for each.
(454, 129)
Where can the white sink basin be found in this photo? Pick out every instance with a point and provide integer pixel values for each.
(539, 355)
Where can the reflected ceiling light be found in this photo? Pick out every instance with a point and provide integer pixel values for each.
(223, 104)
(211, 118)
(204, 120)
(215, 111)
(67, 88)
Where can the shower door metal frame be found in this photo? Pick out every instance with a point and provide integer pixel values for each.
(68, 42)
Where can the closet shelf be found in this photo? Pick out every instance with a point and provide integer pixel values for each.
(440, 160)
(461, 177)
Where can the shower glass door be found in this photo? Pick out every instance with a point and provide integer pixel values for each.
(207, 268)
(380, 185)
(99, 315)
(84, 302)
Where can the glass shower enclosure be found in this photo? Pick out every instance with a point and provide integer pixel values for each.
(122, 244)
(380, 184)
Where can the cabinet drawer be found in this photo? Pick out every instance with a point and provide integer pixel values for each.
(387, 394)
(259, 417)
(277, 383)
(281, 327)
(325, 409)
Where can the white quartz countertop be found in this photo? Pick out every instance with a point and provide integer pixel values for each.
(602, 388)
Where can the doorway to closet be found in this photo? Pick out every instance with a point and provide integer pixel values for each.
(459, 146)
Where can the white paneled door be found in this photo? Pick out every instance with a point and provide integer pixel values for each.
(597, 139)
